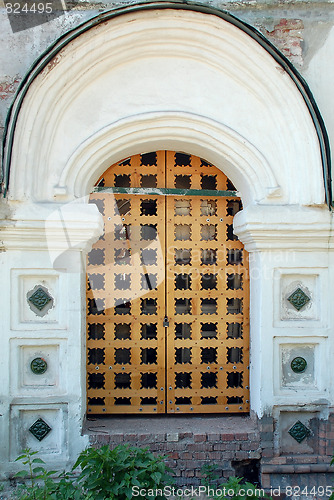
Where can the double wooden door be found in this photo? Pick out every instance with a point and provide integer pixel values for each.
(167, 291)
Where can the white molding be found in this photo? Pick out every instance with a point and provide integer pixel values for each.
(53, 227)
(196, 68)
(294, 228)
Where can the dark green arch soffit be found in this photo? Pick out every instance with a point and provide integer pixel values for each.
(63, 40)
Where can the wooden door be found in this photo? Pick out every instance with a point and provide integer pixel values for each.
(167, 291)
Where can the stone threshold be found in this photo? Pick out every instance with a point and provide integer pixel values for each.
(150, 425)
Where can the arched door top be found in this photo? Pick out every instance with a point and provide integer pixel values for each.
(172, 60)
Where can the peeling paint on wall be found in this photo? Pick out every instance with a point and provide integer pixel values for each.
(8, 86)
(288, 38)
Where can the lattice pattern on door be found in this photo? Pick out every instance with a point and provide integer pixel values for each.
(167, 291)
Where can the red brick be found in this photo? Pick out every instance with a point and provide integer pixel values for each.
(116, 438)
(214, 455)
(144, 438)
(173, 454)
(130, 437)
(198, 438)
(185, 435)
(232, 446)
(241, 437)
(199, 455)
(265, 481)
(227, 437)
(188, 473)
(267, 453)
(200, 447)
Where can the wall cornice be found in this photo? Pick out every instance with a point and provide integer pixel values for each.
(294, 228)
(51, 227)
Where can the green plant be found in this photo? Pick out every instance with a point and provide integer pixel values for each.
(233, 489)
(209, 474)
(105, 475)
(111, 474)
(332, 495)
(41, 485)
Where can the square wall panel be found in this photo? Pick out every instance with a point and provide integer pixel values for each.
(299, 298)
(37, 365)
(297, 432)
(42, 428)
(38, 299)
(300, 368)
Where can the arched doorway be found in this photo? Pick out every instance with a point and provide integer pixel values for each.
(167, 291)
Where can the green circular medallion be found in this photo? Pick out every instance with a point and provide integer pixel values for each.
(38, 366)
(298, 365)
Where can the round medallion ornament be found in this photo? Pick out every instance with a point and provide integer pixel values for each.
(38, 366)
(298, 365)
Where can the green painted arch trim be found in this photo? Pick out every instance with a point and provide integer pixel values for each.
(66, 38)
(166, 191)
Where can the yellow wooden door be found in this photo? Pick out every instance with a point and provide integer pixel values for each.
(167, 291)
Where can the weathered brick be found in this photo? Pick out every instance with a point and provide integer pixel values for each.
(265, 481)
(185, 435)
(130, 437)
(189, 473)
(144, 438)
(172, 437)
(241, 437)
(249, 446)
(219, 447)
(213, 437)
(227, 437)
(233, 446)
(267, 445)
(267, 453)
(303, 459)
(200, 447)
(278, 460)
(302, 469)
(198, 438)
(241, 455)
(214, 455)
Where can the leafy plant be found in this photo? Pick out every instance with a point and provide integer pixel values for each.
(111, 474)
(105, 475)
(209, 474)
(233, 489)
(42, 486)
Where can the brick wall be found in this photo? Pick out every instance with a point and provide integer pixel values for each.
(188, 452)
(236, 452)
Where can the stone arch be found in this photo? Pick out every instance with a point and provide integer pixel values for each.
(136, 79)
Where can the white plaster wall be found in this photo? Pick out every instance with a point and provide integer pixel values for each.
(58, 396)
(320, 75)
(289, 248)
(174, 63)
